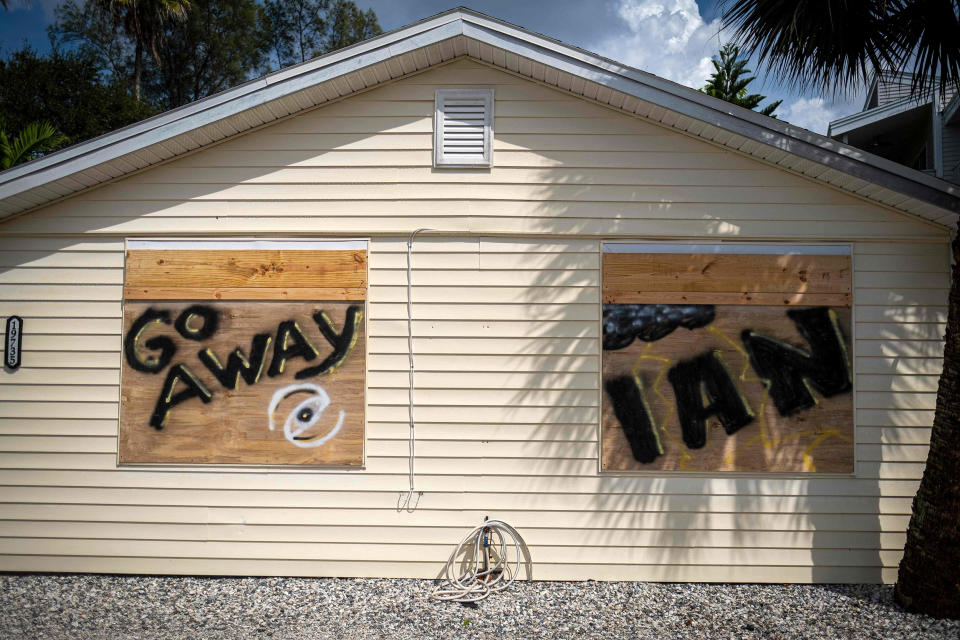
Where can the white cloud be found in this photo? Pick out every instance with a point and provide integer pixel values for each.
(813, 113)
(667, 38)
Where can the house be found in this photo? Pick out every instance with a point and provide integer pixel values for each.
(665, 337)
(920, 132)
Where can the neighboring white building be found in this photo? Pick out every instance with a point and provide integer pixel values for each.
(921, 133)
(572, 158)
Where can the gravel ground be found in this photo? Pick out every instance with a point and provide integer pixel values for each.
(116, 607)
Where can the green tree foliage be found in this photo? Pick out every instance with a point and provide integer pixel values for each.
(83, 27)
(115, 62)
(302, 29)
(295, 28)
(730, 79)
(145, 23)
(346, 25)
(67, 88)
(837, 44)
(215, 45)
(220, 44)
(30, 142)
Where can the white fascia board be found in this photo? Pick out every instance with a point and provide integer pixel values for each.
(855, 121)
(223, 105)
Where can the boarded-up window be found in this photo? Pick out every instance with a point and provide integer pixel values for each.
(727, 358)
(244, 353)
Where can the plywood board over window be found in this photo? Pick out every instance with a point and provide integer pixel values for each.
(244, 353)
(727, 358)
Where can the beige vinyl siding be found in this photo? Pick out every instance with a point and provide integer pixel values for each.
(562, 165)
(507, 304)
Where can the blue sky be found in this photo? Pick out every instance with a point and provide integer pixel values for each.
(670, 38)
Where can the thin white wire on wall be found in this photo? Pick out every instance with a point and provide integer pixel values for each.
(407, 502)
(488, 570)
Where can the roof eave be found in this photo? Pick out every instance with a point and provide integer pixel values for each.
(750, 124)
(759, 130)
(226, 103)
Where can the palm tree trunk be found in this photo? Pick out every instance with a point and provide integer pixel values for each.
(929, 579)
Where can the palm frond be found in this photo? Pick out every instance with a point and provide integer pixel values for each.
(930, 31)
(34, 139)
(821, 45)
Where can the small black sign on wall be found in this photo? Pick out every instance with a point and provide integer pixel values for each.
(14, 339)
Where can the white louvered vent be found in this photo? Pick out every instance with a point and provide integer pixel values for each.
(463, 128)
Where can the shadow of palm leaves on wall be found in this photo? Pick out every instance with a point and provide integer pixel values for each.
(668, 519)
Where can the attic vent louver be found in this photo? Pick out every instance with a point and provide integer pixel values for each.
(463, 128)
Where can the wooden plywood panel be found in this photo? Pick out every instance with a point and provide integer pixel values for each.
(275, 383)
(227, 274)
(711, 278)
(706, 368)
(256, 380)
(727, 388)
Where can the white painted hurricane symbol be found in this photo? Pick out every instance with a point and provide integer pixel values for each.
(305, 415)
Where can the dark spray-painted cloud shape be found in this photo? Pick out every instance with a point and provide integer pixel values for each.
(650, 322)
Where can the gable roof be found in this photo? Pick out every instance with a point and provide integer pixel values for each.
(457, 33)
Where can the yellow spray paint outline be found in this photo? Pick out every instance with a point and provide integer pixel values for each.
(764, 437)
(660, 425)
(357, 322)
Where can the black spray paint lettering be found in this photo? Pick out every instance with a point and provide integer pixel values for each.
(291, 343)
(622, 323)
(163, 344)
(210, 319)
(626, 396)
(238, 365)
(790, 372)
(170, 397)
(342, 342)
(705, 376)
(703, 387)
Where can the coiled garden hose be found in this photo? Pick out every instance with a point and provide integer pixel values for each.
(488, 570)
